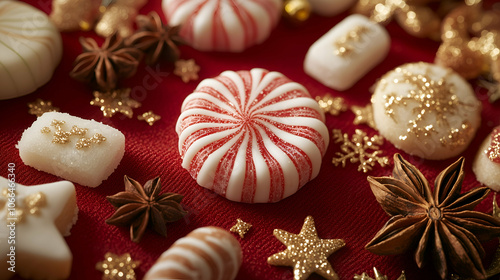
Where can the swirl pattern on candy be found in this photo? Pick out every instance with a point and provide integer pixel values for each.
(30, 49)
(252, 136)
(223, 25)
(205, 253)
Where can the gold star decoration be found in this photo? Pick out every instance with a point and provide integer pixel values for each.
(306, 252)
(187, 70)
(39, 107)
(115, 101)
(364, 115)
(378, 276)
(241, 228)
(116, 267)
(493, 89)
(357, 149)
(332, 105)
(149, 117)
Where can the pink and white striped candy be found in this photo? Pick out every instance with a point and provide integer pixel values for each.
(207, 253)
(251, 136)
(223, 25)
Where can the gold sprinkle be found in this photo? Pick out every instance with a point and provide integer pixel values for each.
(34, 202)
(345, 45)
(39, 107)
(61, 136)
(116, 267)
(364, 115)
(149, 117)
(45, 129)
(241, 228)
(186, 69)
(332, 105)
(493, 151)
(115, 101)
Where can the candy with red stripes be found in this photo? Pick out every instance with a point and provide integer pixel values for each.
(223, 25)
(205, 253)
(251, 136)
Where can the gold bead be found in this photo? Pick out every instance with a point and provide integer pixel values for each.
(297, 11)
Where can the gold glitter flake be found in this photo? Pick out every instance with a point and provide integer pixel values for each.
(115, 101)
(45, 129)
(149, 117)
(364, 115)
(332, 105)
(306, 252)
(241, 228)
(116, 267)
(457, 136)
(378, 276)
(40, 106)
(429, 98)
(186, 69)
(357, 149)
(87, 142)
(345, 46)
(61, 136)
(31, 205)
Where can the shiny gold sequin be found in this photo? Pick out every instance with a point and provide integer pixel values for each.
(357, 149)
(61, 136)
(149, 117)
(346, 45)
(116, 267)
(39, 107)
(493, 151)
(241, 228)
(364, 115)
(306, 252)
(378, 276)
(115, 101)
(186, 69)
(332, 105)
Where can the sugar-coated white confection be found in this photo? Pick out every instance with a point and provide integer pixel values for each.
(487, 172)
(40, 251)
(426, 110)
(252, 136)
(330, 7)
(208, 253)
(347, 52)
(223, 25)
(30, 49)
(84, 157)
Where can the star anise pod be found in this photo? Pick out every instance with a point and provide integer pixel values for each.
(155, 39)
(104, 66)
(441, 224)
(138, 206)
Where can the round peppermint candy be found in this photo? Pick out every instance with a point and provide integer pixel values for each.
(223, 25)
(251, 136)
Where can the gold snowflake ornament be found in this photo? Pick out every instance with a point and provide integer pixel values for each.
(357, 149)
(115, 101)
(306, 252)
(332, 105)
(364, 115)
(116, 267)
(187, 70)
(378, 276)
(241, 228)
(40, 106)
(149, 117)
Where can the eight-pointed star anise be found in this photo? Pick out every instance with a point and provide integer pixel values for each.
(138, 206)
(155, 39)
(441, 224)
(104, 66)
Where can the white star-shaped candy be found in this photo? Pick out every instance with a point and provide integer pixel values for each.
(40, 216)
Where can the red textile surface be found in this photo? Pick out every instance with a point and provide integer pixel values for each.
(339, 199)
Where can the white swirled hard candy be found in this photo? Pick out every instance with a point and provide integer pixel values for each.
(205, 253)
(223, 25)
(251, 136)
(30, 49)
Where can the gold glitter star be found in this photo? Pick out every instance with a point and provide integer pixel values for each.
(493, 89)
(378, 276)
(149, 117)
(241, 228)
(115, 101)
(186, 69)
(306, 252)
(364, 115)
(117, 267)
(356, 150)
(39, 107)
(332, 105)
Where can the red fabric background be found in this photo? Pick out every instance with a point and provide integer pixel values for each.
(339, 199)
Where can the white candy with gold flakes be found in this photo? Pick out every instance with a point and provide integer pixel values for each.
(37, 218)
(487, 163)
(426, 110)
(330, 7)
(30, 49)
(83, 151)
(347, 52)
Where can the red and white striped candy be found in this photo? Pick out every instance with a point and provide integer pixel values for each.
(223, 25)
(207, 253)
(251, 136)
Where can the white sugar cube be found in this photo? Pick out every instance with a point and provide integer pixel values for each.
(347, 52)
(83, 151)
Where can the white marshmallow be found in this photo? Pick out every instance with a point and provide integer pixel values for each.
(487, 172)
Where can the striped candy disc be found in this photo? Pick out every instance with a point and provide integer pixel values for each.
(251, 136)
